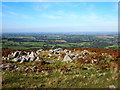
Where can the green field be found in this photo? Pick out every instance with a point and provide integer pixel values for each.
(47, 41)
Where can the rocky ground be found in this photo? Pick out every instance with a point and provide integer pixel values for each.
(60, 68)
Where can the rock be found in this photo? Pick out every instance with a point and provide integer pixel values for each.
(16, 54)
(34, 68)
(85, 68)
(16, 59)
(81, 56)
(49, 55)
(59, 57)
(70, 52)
(23, 60)
(3, 58)
(67, 59)
(56, 51)
(112, 86)
(74, 57)
(15, 66)
(27, 58)
(28, 53)
(32, 54)
(66, 51)
(23, 53)
(1, 65)
(32, 59)
(26, 69)
(8, 58)
(39, 59)
(39, 51)
(87, 61)
(51, 50)
(71, 55)
(49, 62)
(94, 61)
(8, 66)
(84, 52)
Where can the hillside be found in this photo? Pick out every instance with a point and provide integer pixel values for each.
(60, 68)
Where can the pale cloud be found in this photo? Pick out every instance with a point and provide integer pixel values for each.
(46, 6)
(91, 17)
(74, 16)
(90, 7)
(12, 13)
(6, 7)
(24, 16)
(90, 21)
(59, 12)
(41, 7)
(52, 16)
(55, 15)
(9, 12)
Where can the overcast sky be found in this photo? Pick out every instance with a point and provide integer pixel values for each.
(59, 16)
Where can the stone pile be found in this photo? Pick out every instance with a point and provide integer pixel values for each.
(60, 54)
(41, 56)
(22, 56)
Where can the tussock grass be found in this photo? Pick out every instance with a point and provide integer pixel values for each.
(76, 78)
(62, 74)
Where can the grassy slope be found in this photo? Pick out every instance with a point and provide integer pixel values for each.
(76, 78)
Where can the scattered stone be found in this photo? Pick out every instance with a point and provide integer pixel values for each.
(85, 52)
(16, 60)
(94, 61)
(59, 57)
(112, 86)
(39, 59)
(39, 51)
(71, 55)
(87, 61)
(67, 59)
(85, 68)
(23, 53)
(49, 62)
(16, 54)
(66, 51)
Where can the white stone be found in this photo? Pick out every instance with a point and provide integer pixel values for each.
(59, 57)
(67, 59)
(112, 86)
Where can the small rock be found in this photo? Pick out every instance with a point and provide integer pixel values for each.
(85, 68)
(112, 86)
(49, 62)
